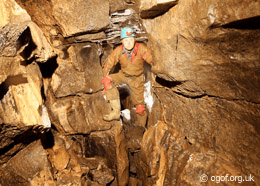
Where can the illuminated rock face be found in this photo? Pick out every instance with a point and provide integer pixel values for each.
(202, 93)
(216, 47)
(81, 16)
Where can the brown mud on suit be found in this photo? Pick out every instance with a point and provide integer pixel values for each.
(131, 72)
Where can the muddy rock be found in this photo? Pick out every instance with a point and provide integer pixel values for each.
(79, 114)
(22, 103)
(81, 16)
(116, 5)
(12, 13)
(14, 20)
(216, 47)
(29, 166)
(205, 137)
(43, 50)
(80, 72)
(153, 8)
(111, 145)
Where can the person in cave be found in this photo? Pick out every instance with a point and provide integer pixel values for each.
(131, 56)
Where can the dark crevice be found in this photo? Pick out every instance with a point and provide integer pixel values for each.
(47, 139)
(166, 83)
(252, 23)
(43, 94)
(49, 67)
(132, 174)
(176, 49)
(190, 96)
(29, 61)
(124, 94)
(11, 80)
(28, 50)
(25, 138)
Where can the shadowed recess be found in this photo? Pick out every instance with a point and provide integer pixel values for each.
(166, 83)
(26, 37)
(23, 136)
(49, 67)
(11, 80)
(252, 23)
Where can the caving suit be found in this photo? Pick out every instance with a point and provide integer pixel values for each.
(131, 73)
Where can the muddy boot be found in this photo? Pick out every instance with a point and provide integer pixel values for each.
(115, 111)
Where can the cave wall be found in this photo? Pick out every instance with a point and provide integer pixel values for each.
(205, 113)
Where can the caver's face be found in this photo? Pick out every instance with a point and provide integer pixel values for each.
(129, 43)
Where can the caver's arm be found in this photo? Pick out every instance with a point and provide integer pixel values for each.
(146, 53)
(111, 61)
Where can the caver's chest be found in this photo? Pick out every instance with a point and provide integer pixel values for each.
(133, 60)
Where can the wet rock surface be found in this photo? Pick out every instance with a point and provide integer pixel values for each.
(202, 94)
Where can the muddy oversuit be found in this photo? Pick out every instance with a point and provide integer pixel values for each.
(131, 73)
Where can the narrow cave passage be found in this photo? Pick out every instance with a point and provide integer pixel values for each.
(203, 115)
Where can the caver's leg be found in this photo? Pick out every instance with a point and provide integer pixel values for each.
(112, 96)
(136, 85)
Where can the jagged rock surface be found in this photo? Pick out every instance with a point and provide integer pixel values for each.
(203, 118)
(92, 16)
(216, 47)
(153, 8)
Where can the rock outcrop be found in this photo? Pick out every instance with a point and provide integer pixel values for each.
(217, 47)
(92, 16)
(202, 94)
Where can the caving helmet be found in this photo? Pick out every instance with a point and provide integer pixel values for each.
(127, 32)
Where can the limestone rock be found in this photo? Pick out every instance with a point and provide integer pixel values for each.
(111, 145)
(41, 13)
(43, 51)
(22, 102)
(81, 16)
(116, 5)
(11, 12)
(134, 182)
(79, 114)
(58, 154)
(26, 40)
(153, 8)
(80, 73)
(61, 159)
(153, 151)
(12, 37)
(10, 44)
(103, 177)
(216, 47)
(206, 127)
(27, 167)
(87, 37)
(13, 139)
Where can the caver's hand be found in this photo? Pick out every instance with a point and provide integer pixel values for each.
(106, 81)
